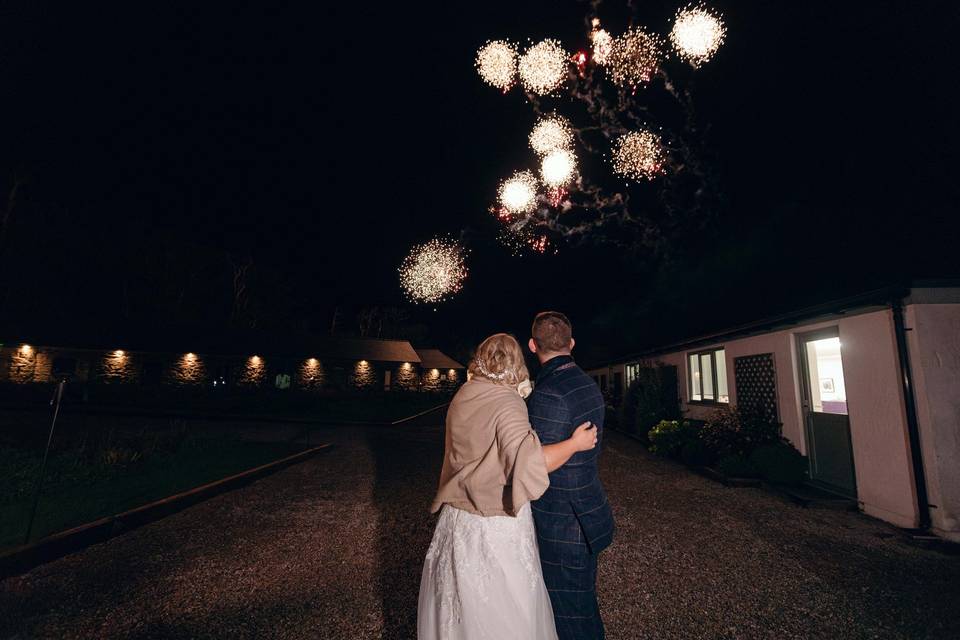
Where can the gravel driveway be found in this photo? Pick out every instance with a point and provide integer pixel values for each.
(332, 548)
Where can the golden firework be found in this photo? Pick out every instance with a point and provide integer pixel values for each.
(697, 34)
(434, 271)
(497, 64)
(602, 45)
(543, 67)
(634, 58)
(558, 167)
(639, 155)
(551, 132)
(518, 193)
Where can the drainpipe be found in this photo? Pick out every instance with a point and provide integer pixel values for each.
(910, 404)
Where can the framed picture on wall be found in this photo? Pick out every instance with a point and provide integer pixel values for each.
(826, 385)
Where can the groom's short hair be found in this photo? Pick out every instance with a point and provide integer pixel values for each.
(552, 331)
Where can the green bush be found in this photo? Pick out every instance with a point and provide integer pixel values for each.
(669, 437)
(651, 397)
(737, 466)
(730, 431)
(780, 463)
(696, 454)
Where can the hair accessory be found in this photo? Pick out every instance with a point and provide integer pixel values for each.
(487, 374)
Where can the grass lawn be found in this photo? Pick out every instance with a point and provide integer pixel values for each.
(367, 406)
(116, 480)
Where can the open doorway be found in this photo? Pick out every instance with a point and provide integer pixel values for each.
(825, 411)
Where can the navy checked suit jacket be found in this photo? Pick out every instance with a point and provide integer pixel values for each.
(573, 515)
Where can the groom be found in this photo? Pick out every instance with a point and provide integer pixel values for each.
(573, 518)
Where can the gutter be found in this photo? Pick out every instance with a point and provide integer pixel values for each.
(910, 404)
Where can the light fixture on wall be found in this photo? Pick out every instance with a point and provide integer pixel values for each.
(26, 349)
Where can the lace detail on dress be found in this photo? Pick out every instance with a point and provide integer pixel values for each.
(465, 548)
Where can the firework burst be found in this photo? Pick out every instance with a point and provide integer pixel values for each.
(602, 45)
(697, 34)
(434, 271)
(634, 58)
(543, 67)
(518, 193)
(639, 155)
(497, 64)
(550, 133)
(558, 168)
(526, 236)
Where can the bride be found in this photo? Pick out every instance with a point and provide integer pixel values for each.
(481, 577)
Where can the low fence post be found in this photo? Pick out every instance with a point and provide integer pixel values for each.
(55, 402)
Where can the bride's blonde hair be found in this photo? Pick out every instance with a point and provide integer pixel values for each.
(500, 360)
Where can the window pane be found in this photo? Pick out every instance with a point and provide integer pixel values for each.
(695, 378)
(720, 357)
(707, 377)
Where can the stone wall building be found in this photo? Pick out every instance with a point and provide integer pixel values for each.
(439, 372)
(304, 363)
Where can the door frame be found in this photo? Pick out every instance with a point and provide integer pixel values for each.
(806, 403)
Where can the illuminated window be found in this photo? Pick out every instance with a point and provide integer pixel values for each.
(707, 372)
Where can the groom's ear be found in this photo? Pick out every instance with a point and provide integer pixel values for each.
(573, 343)
(532, 345)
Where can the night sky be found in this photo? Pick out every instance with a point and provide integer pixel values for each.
(159, 146)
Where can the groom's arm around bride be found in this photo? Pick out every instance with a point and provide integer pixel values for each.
(573, 518)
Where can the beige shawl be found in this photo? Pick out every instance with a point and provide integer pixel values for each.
(492, 463)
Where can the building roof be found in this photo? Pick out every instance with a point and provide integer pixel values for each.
(436, 359)
(366, 349)
(919, 293)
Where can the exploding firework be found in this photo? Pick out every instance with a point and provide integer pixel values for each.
(433, 271)
(497, 64)
(518, 193)
(638, 155)
(697, 34)
(551, 132)
(634, 58)
(524, 237)
(558, 167)
(540, 244)
(543, 67)
(602, 45)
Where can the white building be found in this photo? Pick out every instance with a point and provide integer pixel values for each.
(867, 387)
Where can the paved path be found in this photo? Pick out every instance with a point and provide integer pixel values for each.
(332, 548)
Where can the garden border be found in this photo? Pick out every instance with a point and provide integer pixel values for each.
(706, 472)
(26, 557)
(418, 415)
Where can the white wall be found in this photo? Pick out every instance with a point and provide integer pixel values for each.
(934, 346)
(874, 398)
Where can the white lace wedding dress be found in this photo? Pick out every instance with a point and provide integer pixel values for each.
(482, 579)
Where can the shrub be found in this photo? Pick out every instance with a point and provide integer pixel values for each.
(696, 454)
(669, 437)
(737, 466)
(650, 398)
(730, 431)
(780, 463)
